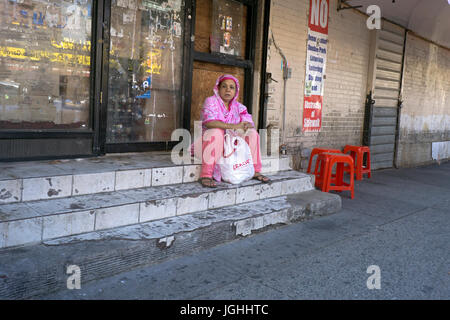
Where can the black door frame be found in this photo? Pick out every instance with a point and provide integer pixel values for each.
(263, 94)
(101, 77)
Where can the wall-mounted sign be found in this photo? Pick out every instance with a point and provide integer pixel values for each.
(316, 56)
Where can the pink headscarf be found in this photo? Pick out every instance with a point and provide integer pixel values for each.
(214, 108)
(223, 78)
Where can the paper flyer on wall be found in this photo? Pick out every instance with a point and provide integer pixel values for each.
(316, 56)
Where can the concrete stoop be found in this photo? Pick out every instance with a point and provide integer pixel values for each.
(47, 199)
(36, 221)
(30, 271)
(112, 214)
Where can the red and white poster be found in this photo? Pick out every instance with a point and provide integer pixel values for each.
(316, 57)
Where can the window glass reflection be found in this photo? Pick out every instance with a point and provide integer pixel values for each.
(144, 70)
(45, 48)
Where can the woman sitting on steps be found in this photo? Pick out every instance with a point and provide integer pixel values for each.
(220, 112)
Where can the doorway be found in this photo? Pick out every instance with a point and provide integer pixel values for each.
(224, 38)
(164, 59)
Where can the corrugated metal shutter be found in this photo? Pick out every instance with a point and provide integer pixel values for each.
(385, 86)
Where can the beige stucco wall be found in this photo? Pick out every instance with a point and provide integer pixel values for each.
(425, 116)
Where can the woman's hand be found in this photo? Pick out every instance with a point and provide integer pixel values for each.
(245, 125)
(238, 126)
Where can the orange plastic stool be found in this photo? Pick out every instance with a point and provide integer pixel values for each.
(318, 151)
(321, 169)
(324, 177)
(357, 153)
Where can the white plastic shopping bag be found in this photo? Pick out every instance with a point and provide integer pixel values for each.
(236, 165)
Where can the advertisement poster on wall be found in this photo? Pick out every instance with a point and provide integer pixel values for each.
(316, 56)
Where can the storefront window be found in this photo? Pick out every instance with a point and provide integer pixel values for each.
(145, 69)
(45, 48)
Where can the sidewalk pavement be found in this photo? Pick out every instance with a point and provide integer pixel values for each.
(398, 222)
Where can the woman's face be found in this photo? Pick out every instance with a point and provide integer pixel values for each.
(227, 90)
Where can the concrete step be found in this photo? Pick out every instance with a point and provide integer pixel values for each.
(31, 222)
(40, 180)
(40, 269)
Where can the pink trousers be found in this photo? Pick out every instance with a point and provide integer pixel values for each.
(212, 149)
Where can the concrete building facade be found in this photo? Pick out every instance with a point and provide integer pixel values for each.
(425, 116)
(161, 62)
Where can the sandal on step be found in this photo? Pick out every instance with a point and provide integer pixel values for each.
(261, 178)
(209, 184)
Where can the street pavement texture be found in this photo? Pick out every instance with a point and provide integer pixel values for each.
(399, 222)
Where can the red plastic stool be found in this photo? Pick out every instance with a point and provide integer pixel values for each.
(357, 153)
(324, 177)
(319, 151)
(321, 169)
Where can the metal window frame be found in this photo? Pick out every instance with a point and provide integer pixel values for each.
(101, 77)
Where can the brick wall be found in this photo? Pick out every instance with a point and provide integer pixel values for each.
(346, 77)
(425, 116)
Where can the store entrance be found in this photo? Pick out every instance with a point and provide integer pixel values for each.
(145, 73)
(156, 84)
(223, 34)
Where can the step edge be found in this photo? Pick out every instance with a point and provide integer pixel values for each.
(20, 189)
(84, 197)
(44, 222)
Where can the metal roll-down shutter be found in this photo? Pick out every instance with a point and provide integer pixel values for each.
(384, 85)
